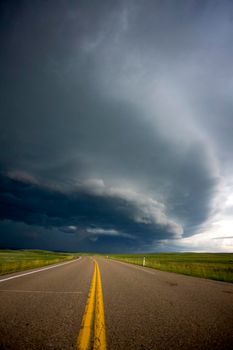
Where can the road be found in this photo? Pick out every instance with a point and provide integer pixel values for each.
(144, 308)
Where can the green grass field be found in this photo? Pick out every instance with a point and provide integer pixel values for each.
(18, 260)
(216, 266)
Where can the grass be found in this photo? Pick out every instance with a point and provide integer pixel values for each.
(18, 260)
(216, 266)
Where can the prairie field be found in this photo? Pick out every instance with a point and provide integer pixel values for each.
(216, 266)
(18, 260)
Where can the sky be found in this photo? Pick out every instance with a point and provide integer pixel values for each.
(116, 125)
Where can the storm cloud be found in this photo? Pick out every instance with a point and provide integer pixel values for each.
(116, 123)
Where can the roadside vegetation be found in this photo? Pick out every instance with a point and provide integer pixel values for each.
(216, 266)
(18, 260)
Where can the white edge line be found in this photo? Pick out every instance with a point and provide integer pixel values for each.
(41, 269)
(153, 272)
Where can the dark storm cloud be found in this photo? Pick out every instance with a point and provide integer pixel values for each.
(115, 116)
(90, 217)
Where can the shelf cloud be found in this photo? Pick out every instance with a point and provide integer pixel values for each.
(116, 125)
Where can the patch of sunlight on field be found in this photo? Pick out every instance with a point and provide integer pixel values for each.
(217, 266)
(18, 260)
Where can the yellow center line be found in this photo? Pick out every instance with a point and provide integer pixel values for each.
(92, 334)
(100, 334)
(84, 338)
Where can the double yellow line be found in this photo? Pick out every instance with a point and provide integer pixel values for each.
(92, 334)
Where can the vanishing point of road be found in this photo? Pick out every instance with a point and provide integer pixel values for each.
(104, 304)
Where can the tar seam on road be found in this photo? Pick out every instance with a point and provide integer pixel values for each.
(37, 291)
(39, 270)
(92, 334)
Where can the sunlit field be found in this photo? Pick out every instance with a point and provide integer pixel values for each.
(18, 260)
(217, 266)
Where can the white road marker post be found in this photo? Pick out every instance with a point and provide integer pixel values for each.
(144, 261)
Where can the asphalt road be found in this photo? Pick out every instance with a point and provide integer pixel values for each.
(44, 310)
(149, 309)
(144, 308)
